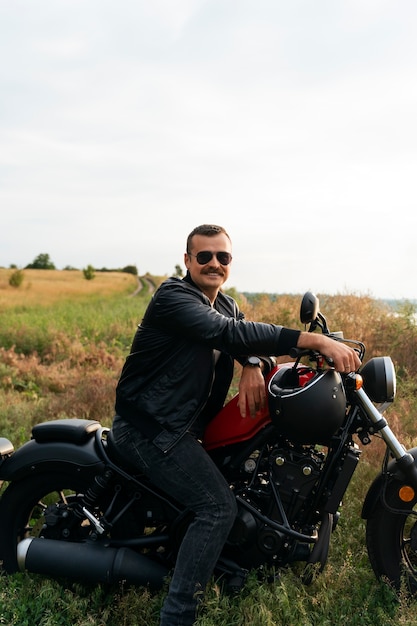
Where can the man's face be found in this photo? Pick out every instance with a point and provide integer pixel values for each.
(210, 276)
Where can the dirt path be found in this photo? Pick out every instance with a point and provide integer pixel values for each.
(144, 282)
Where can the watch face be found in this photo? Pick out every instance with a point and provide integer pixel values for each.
(254, 361)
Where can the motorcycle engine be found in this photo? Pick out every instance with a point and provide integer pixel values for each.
(295, 473)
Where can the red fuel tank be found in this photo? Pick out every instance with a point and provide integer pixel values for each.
(229, 427)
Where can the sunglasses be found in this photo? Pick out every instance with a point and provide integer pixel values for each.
(205, 256)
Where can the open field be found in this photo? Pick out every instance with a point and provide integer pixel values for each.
(44, 287)
(63, 341)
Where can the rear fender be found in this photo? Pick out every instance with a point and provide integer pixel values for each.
(391, 489)
(34, 457)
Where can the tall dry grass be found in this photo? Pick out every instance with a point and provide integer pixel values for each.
(62, 351)
(62, 344)
(45, 287)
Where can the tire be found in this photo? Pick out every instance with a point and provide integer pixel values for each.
(391, 540)
(22, 510)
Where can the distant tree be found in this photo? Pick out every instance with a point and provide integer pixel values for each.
(178, 271)
(89, 272)
(41, 262)
(16, 278)
(130, 269)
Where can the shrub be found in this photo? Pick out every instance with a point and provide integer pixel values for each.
(16, 278)
(89, 272)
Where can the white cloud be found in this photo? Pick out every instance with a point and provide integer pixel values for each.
(291, 123)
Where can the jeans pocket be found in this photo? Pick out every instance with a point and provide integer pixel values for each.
(130, 442)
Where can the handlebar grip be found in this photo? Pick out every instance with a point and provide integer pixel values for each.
(296, 353)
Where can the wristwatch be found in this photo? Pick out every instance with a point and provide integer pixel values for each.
(252, 361)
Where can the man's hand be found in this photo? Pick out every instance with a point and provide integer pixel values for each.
(344, 357)
(252, 393)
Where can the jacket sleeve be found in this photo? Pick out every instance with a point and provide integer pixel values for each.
(184, 310)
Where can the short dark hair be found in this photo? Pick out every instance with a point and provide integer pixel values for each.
(207, 230)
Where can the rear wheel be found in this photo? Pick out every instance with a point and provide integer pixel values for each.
(391, 540)
(43, 505)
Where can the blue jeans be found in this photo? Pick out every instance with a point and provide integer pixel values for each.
(187, 474)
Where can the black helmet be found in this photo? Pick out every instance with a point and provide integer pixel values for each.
(307, 406)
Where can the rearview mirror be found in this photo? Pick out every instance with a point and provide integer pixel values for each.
(309, 308)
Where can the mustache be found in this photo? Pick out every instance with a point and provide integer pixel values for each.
(213, 271)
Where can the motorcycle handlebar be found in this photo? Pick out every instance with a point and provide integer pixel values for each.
(298, 353)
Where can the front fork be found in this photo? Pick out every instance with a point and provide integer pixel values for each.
(404, 460)
(404, 466)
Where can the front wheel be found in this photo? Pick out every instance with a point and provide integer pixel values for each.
(41, 505)
(391, 539)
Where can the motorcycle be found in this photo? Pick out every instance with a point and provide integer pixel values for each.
(72, 506)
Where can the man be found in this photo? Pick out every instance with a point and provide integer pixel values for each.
(175, 380)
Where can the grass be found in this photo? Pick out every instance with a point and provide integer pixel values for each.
(62, 344)
(347, 592)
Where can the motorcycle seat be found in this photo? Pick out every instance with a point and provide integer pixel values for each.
(73, 430)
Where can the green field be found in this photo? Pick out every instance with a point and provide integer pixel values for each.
(62, 344)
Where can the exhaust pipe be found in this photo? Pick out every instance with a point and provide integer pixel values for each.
(88, 562)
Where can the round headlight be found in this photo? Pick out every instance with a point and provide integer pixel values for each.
(379, 379)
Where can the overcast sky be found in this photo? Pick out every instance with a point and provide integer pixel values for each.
(293, 123)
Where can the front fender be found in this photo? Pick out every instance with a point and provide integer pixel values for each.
(390, 486)
(35, 457)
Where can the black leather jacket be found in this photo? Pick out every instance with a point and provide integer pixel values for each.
(171, 380)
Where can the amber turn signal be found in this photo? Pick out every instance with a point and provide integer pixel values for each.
(358, 382)
(406, 493)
